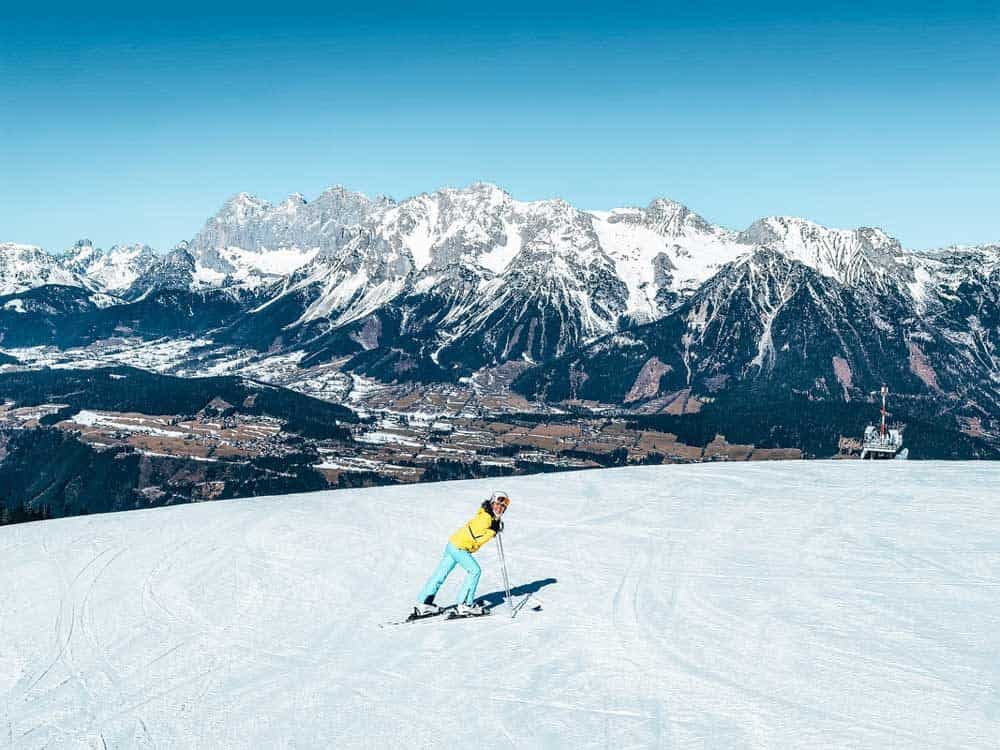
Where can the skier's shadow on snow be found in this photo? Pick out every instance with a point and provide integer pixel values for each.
(496, 597)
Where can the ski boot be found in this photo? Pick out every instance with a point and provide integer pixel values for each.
(471, 610)
(427, 608)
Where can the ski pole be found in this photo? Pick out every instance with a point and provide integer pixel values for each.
(506, 576)
(503, 569)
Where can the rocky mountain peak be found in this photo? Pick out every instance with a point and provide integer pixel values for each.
(670, 218)
(488, 191)
(241, 209)
(852, 256)
(338, 207)
(179, 257)
(292, 203)
(667, 218)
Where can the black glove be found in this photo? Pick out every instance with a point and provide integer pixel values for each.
(497, 525)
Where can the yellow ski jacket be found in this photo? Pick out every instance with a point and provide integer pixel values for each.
(480, 529)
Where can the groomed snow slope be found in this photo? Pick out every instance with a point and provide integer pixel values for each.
(792, 605)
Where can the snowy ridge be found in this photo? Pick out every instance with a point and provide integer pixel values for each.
(853, 257)
(655, 254)
(793, 605)
(24, 267)
(113, 270)
(462, 278)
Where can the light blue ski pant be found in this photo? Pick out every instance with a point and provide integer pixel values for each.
(454, 556)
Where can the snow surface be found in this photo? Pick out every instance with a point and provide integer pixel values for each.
(276, 262)
(784, 605)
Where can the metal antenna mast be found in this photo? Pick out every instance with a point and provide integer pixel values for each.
(882, 428)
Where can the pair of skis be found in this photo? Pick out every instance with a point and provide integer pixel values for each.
(448, 613)
(452, 614)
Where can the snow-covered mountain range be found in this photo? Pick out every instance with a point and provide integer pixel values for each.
(657, 254)
(444, 283)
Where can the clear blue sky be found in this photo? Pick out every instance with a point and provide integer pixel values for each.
(126, 128)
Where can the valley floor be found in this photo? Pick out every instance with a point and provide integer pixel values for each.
(779, 605)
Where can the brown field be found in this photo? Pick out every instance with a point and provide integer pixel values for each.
(776, 454)
(596, 446)
(170, 446)
(558, 430)
(499, 427)
(332, 475)
(228, 451)
(684, 452)
(721, 448)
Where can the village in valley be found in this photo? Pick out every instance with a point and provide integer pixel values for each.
(408, 432)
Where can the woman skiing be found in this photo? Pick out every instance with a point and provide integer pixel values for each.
(482, 527)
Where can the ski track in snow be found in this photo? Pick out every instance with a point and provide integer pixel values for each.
(784, 605)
